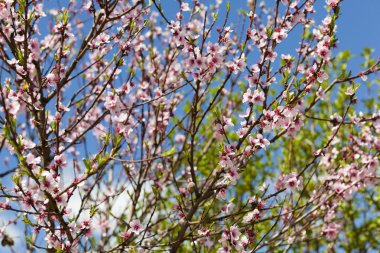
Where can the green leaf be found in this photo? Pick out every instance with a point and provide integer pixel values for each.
(87, 164)
(26, 220)
(65, 17)
(93, 210)
(169, 152)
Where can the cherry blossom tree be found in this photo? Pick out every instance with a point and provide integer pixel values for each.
(139, 126)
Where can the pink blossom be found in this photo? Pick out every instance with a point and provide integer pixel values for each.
(279, 35)
(324, 52)
(60, 160)
(126, 235)
(32, 160)
(136, 226)
(234, 232)
(259, 141)
(331, 231)
(332, 3)
(185, 7)
(257, 97)
(252, 216)
(293, 181)
(52, 77)
(48, 182)
(227, 208)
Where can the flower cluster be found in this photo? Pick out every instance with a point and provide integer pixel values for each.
(138, 126)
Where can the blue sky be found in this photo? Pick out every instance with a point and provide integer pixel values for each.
(359, 26)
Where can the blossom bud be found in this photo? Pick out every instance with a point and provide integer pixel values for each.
(191, 186)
